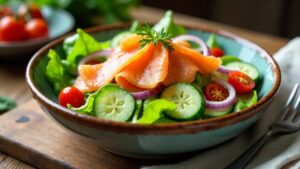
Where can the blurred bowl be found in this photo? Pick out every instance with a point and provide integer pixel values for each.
(59, 21)
(161, 140)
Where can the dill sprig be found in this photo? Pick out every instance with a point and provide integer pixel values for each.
(149, 35)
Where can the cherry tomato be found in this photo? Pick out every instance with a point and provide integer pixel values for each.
(35, 12)
(241, 82)
(217, 52)
(32, 10)
(5, 11)
(11, 29)
(72, 96)
(215, 92)
(36, 28)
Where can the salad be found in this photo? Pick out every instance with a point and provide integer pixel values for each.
(151, 75)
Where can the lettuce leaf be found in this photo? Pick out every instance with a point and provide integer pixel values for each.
(167, 24)
(137, 112)
(6, 104)
(212, 42)
(56, 73)
(245, 101)
(88, 107)
(82, 46)
(154, 110)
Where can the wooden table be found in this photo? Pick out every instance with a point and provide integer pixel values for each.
(12, 80)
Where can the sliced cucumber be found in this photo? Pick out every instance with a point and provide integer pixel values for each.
(228, 59)
(246, 68)
(114, 103)
(217, 112)
(189, 102)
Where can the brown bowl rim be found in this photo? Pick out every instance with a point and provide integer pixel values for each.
(173, 128)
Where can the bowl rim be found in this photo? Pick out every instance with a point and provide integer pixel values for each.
(188, 127)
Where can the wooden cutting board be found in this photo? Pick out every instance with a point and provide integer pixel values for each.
(32, 136)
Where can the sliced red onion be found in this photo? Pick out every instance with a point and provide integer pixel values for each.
(95, 55)
(148, 93)
(203, 47)
(230, 100)
(225, 70)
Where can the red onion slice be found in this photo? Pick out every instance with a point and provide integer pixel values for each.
(225, 70)
(148, 93)
(95, 55)
(203, 47)
(230, 100)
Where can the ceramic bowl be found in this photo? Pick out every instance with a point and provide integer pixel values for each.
(160, 140)
(59, 22)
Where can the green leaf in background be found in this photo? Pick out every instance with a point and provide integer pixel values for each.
(6, 104)
(245, 101)
(84, 45)
(212, 42)
(88, 107)
(154, 110)
(56, 73)
(167, 24)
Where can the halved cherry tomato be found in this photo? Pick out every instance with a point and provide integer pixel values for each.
(36, 28)
(241, 82)
(11, 29)
(72, 96)
(217, 52)
(215, 92)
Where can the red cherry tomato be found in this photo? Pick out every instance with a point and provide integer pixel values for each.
(11, 29)
(241, 82)
(215, 92)
(36, 28)
(217, 52)
(33, 11)
(5, 11)
(72, 96)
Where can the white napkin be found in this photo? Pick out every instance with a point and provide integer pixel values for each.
(276, 153)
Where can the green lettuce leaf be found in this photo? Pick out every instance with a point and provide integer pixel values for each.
(154, 110)
(212, 42)
(88, 107)
(137, 112)
(56, 73)
(245, 101)
(84, 45)
(167, 24)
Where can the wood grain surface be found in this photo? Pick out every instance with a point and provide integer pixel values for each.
(32, 136)
(12, 82)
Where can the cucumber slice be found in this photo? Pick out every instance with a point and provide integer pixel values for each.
(209, 113)
(246, 68)
(114, 103)
(228, 59)
(189, 103)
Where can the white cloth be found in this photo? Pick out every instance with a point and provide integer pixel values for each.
(276, 153)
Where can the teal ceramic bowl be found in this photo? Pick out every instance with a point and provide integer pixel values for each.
(59, 21)
(161, 140)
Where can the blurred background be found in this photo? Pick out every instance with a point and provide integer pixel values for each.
(277, 17)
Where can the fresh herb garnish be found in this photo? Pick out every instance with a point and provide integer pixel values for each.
(151, 36)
